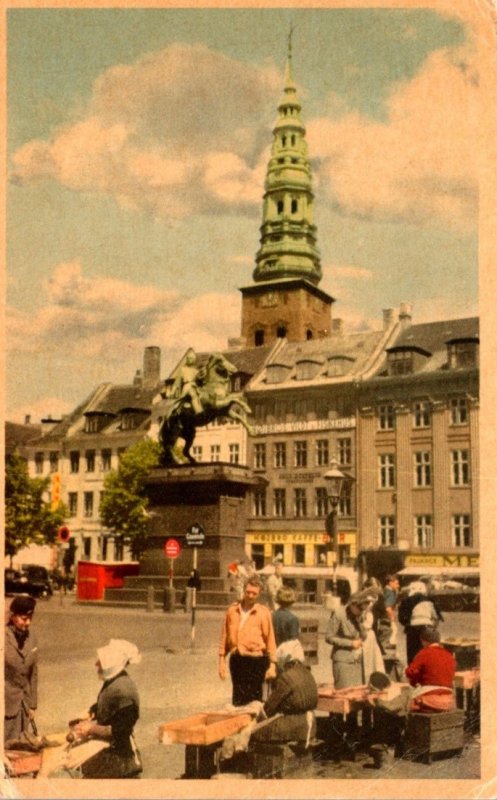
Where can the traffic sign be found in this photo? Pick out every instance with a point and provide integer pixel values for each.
(172, 548)
(195, 535)
(63, 534)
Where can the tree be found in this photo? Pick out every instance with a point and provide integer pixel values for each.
(124, 503)
(29, 519)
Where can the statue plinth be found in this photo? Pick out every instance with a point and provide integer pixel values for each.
(212, 495)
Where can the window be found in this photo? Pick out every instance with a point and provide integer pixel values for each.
(400, 362)
(422, 415)
(215, 452)
(197, 452)
(90, 460)
(300, 502)
(260, 503)
(88, 504)
(259, 338)
(130, 421)
(294, 206)
(300, 454)
(460, 467)
(322, 452)
(278, 552)
(120, 452)
(459, 411)
(279, 500)
(463, 354)
(320, 555)
(54, 461)
(280, 454)
(257, 554)
(74, 461)
(386, 530)
(72, 499)
(39, 457)
(234, 450)
(423, 530)
(386, 465)
(281, 331)
(259, 456)
(461, 530)
(422, 468)
(386, 418)
(344, 451)
(345, 501)
(321, 502)
(299, 553)
(106, 460)
(280, 206)
(87, 546)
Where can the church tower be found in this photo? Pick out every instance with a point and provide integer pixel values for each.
(284, 300)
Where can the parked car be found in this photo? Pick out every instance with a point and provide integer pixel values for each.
(31, 579)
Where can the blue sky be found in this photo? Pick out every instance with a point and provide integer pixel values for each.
(137, 147)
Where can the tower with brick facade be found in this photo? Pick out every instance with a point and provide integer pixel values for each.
(284, 301)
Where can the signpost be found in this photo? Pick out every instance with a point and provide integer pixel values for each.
(195, 537)
(172, 549)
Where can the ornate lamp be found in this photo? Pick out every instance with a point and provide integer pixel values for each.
(335, 482)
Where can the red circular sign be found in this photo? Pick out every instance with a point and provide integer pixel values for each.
(172, 548)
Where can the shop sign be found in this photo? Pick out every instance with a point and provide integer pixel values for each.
(442, 560)
(304, 427)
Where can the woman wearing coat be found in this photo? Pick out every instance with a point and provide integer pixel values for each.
(415, 611)
(354, 650)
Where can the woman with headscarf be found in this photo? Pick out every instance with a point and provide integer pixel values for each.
(113, 717)
(415, 611)
(293, 698)
(20, 672)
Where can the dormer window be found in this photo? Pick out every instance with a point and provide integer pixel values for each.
(95, 421)
(259, 337)
(338, 365)
(277, 373)
(405, 360)
(132, 418)
(307, 369)
(462, 353)
(281, 331)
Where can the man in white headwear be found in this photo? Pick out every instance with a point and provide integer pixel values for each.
(113, 717)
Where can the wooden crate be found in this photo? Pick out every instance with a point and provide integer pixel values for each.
(273, 760)
(433, 734)
(202, 729)
(309, 639)
(22, 762)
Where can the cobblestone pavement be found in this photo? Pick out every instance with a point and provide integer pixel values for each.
(178, 677)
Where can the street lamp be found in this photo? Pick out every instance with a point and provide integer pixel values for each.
(335, 480)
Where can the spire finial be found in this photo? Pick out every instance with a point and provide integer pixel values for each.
(288, 70)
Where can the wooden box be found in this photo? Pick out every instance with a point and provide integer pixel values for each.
(22, 762)
(272, 760)
(432, 734)
(202, 729)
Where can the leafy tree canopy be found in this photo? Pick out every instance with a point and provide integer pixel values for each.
(123, 504)
(29, 518)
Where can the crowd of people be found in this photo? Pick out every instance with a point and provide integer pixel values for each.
(259, 646)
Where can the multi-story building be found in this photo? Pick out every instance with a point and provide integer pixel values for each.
(78, 451)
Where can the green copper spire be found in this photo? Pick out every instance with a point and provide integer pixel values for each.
(288, 237)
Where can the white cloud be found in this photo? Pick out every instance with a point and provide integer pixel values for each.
(180, 131)
(422, 163)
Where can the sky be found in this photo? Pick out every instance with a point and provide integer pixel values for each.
(138, 141)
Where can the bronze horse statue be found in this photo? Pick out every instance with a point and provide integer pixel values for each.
(213, 399)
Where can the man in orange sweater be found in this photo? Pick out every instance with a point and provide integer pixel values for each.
(247, 636)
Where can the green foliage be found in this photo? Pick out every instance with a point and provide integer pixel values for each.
(123, 503)
(29, 519)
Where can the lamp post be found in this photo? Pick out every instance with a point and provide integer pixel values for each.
(335, 479)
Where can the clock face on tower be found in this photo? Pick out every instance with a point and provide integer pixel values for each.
(269, 299)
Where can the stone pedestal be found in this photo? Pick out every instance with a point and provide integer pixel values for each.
(212, 495)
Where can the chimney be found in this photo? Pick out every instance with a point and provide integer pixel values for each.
(27, 419)
(151, 367)
(388, 317)
(48, 423)
(138, 379)
(337, 327)
(405, 314)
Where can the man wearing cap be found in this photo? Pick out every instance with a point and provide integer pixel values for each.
(20, 670)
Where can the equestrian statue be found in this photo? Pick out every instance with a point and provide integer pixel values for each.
(198, 396)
